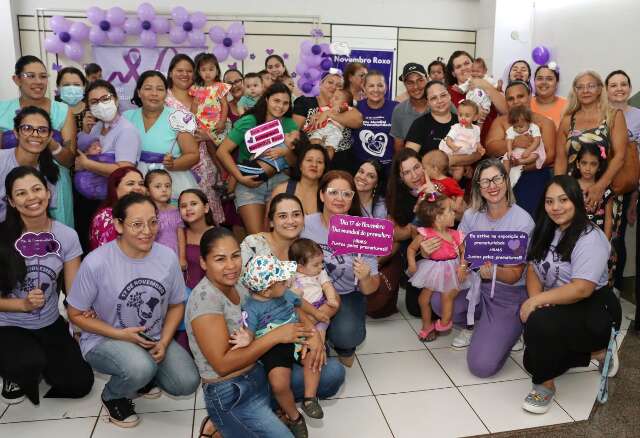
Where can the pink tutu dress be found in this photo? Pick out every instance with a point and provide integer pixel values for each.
(440, 272)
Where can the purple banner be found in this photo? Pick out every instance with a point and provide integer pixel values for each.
(360, 235)
(498, 247)
(380, 60)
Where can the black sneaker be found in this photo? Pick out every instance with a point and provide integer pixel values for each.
(150, 391)
(12, 394)
(121, 412)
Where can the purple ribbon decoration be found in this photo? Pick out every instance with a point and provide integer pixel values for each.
(243, 319)
(132, 65)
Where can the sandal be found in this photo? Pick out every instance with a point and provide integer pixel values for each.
(298, 427)
(443, 327)
(312, 408)
(213, 434)
(428, 335)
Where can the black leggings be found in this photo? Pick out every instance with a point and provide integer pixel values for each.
(50, 352)
(561, 337)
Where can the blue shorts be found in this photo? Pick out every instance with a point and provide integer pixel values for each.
(259, 195)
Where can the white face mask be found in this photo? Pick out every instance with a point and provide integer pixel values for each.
(105, 111)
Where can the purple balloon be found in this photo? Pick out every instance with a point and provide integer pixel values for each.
(79, 31)
(217, 34)
(97, 36)
(133, 26)
(52, 44)
(325, 48)
(95, 14)
(74, 51)
(187, 26)
(235, 31)
(221, 52)
(311, 60)
(305, 47)
(116, 35)
(197, 38)
(239, 52)
(541, 55)
(65, 37)
(179, 15)
(105, 25)
(146, 12)
(177, 35)
(227, 42)
(148, 39)
(307, 87)
(301, 68)
(314, 74)
(326, 64)
(160, 25)
(116, 16)
(198, 19)
(316, 90)
(316, 49)
(59, 24)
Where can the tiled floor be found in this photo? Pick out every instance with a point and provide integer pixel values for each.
(398, 387)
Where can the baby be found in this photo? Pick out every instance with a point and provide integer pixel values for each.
(521, 121)
(253, 88)
(463, 137)
(435, 164)
(330, 134)
(477, 95)
(311, 281)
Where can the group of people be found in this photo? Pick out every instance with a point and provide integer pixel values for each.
(185, 260)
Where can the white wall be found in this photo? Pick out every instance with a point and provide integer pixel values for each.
(512, 20)
(9, 53)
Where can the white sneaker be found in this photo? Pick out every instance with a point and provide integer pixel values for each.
(462, 339)
(519, 345)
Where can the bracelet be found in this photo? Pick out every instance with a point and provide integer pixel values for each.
(57, 151)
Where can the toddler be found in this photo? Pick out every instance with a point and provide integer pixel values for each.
(170, 225)
(271, 305)
(253, 91)
(591, 163)
(463, 137)
(330, 134)
(477, 95)
(443, 272)
(436, 164)
(520, 119)
(209, 102)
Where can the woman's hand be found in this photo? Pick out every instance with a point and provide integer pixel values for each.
(130, 334)
(158, 352)
(274, 153)
(88, 122)
(317, 352)
(81, 161)
(462, 272)
(240, 338)
(250, 181)
(361, 269)
(486, 271)
(34, 300)
(89, 314)
(293, 333)
(429, 246)
(593, 195)
(201, 135)
(168, 162)
(220, 126)
(527, 308)
(318, 120)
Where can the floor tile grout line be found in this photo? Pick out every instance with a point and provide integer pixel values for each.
(95, 424)
(6, 408)
(565, 411)
(374, 397)
(389, 352)
(474, 411)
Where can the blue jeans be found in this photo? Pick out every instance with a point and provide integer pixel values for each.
(240, 407)
(131, 367)
(347, 329)
(331, 379)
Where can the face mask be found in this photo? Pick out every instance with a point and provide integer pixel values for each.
(104, 111)
(71, 94)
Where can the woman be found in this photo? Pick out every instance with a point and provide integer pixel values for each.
(234, 78)
(570, 310)
(306, 115)
(372, 139)
(253, 193)
(31, 77)
(354, 74)
(498, 328)
(274, 65)
(32, 128)
(311, 165)
(121, 182)
(35, 338)
(458, 72)
(519, 70)
(370, 183)
(529, 188)
(179, 81)
(162, 145)
(71, 83)
(118, 145)
(545, 101)
(135, 288)
(353, 276)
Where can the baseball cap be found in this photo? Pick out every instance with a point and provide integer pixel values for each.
(412, 67)
(262, 271)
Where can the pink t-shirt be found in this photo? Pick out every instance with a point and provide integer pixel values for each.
(448, 250)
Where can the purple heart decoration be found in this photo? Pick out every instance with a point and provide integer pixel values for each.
(316, 32)
(56, 67)
(233, 66)
(294, 74)
(252, 56)
(31, 245)
(269, 51)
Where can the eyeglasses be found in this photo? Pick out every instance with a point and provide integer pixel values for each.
(31, 76)
(139, 226)
(42, 131)
(588, 87)
(344, 194)
(103, 99)
(236, 82)
(486, 182)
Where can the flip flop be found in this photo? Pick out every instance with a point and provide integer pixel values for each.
(443, 327)
(428, 335)
(213, 434)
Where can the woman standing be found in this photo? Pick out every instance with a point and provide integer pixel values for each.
(570, 310)
(162, 146)
(71, 84)
(179, 81)
(31, 77)
(274, 65)
(354, 74)
(353, 276)
(35, 338)
(546, 101)
(135, 288)
(233, 77)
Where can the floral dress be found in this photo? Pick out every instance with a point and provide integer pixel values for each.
(601, 137)
(209, 108)
(102, 229)
(206, 170)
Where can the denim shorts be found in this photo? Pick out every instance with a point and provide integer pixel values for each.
(259, 195)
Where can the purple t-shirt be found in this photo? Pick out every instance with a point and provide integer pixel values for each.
(122, 140)
(632, 117)
(126, 292)
(44, 272)
(516, 219)
(372, 140)
(339, 268)
(169, 220)
(588, 261)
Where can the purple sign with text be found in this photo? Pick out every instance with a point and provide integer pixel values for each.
(360, 235)
(498, 247)
(31, 245)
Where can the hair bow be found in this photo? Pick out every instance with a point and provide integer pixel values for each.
(603, 152)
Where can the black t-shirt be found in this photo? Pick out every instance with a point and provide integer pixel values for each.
(307, 106)
(428, 132)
